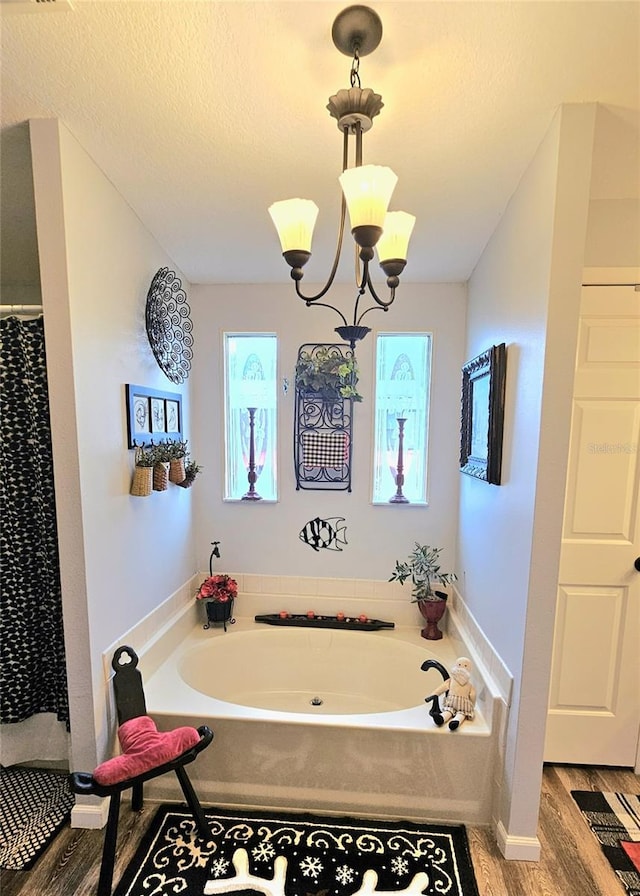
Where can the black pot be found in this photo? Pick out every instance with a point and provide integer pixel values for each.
(219, 611)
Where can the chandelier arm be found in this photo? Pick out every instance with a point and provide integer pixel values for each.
(343, 213)
(358, 132)
(362, 285)
(358, 164)
(313, 303)
(384, 305)
(355, 308)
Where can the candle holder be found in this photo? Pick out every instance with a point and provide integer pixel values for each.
(252, 476)
(399, 498)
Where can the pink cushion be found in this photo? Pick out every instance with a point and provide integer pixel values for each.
(144, 748)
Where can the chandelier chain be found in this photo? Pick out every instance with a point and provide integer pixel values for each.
(355, 69)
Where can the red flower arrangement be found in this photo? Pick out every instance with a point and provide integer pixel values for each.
(220, 588)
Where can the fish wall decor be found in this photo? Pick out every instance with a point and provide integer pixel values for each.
(329, 534)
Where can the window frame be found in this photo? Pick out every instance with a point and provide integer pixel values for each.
(272, 453)
(379, 450)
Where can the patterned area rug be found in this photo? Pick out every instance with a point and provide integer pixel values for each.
(280, 854)
(614, 819)
(34, 805)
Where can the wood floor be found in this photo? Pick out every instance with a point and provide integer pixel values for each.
(571, 863)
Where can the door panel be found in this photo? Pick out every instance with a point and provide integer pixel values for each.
(602, 488)
(594, 706)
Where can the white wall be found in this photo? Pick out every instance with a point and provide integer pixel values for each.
(525, 291)
(263, 538)
(120, 556)
(613, 232)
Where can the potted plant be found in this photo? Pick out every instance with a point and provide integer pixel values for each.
(177, 453)
(328, 374)
(423, 567)
(218, 591)
(161, 461)
(191, 470)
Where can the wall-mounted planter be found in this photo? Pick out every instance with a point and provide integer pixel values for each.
(161, 476)
(141, 486)
(177, 472)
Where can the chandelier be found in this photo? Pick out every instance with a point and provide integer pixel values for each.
(366, 189)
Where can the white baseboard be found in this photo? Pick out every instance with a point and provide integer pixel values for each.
(91, 817)
(523, 849)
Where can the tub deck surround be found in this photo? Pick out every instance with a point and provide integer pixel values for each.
(382, 761)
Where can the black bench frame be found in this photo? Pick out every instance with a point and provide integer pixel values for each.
(130, 703)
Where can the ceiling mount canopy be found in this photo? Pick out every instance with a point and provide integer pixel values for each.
(357, 29)
(366, 189)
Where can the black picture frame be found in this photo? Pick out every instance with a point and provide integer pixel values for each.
(482, 423)
(152, 415)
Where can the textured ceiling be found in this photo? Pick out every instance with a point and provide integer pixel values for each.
(203, 113)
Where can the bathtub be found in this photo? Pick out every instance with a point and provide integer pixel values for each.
(316, 671)
(322, 720)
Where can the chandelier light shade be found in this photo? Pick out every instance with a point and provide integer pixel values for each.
(396, 233)
(366, 189)
(294, 220)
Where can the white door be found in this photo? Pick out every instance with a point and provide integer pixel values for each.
(594, 706)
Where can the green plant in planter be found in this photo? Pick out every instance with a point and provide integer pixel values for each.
(145, 457)
(191, 469)
(328, 374)
(422, 567)
(168, 450)
(175, 449)
(160, 453)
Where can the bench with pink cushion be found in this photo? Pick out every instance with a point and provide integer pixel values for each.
(145, 753)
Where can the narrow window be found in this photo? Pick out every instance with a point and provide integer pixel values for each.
(403, 372)
(250, 363)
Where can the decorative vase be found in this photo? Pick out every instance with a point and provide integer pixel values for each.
(433, 611)
(219, 611)
(176, 471)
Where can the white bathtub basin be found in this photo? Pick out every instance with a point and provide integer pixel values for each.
(310, 670)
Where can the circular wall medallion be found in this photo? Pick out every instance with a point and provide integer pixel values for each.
(169, 326)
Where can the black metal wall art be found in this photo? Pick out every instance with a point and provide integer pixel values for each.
(324, 533)
(169, 326)
(481, 429)
(322, 440)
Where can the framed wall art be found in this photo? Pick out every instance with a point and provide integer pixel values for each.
(157, 415)
(481, 427)
(152, 415)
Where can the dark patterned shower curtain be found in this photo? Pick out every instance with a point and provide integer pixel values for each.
(32, 658)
